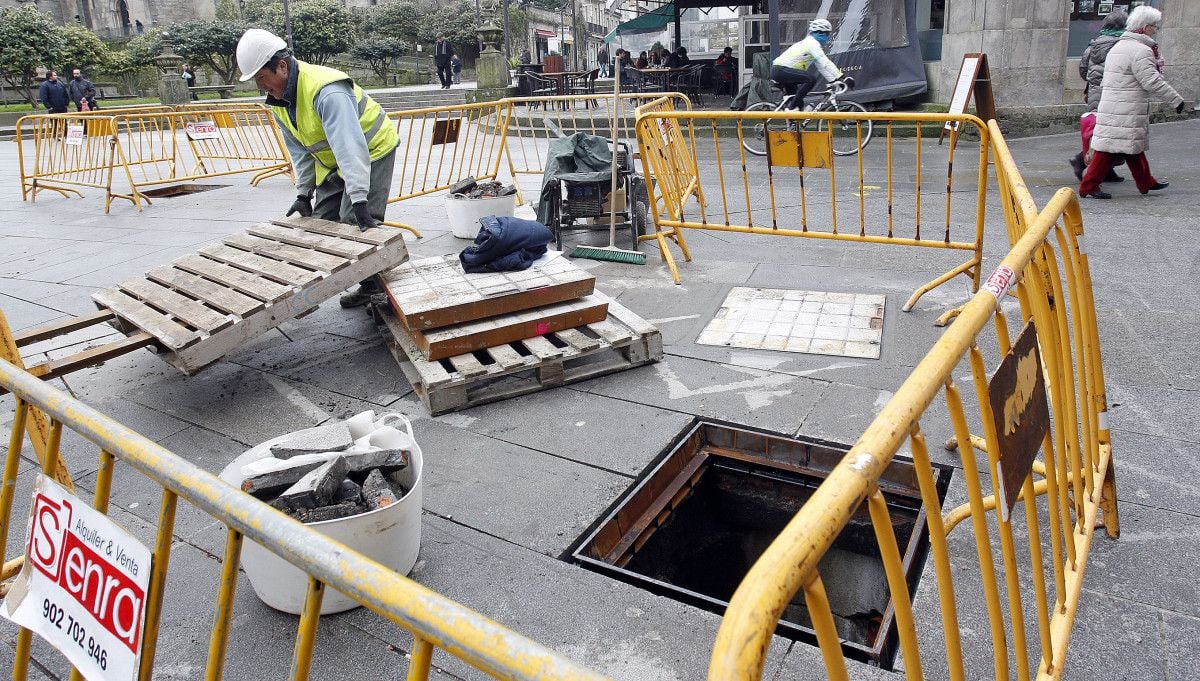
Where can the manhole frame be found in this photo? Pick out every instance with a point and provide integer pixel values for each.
(173, 191)
(898, 482)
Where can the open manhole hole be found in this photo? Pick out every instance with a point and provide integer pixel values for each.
(180, 190)
(692, 527)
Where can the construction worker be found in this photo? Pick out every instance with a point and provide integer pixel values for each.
(343, 147)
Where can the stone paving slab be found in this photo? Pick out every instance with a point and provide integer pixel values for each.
(611, 434)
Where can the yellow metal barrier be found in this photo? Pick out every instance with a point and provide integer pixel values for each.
(150, 146)
(800, 188)
(1049, 268)
(441, 145)
(433, 620)
(535, 121)
(69, 150)
(161, 148)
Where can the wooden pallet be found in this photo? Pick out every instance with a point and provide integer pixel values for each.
(203, 306)
(435, 292)
(622, 341)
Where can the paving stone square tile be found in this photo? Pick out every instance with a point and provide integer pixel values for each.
(788, 320)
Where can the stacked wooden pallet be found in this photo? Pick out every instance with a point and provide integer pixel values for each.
(202, 306)
(466, 339)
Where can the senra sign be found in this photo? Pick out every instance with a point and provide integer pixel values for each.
(83, 585)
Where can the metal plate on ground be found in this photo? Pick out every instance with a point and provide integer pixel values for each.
(816, 322)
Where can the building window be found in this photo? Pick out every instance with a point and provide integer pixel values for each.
(931, 23)
(1087, 17)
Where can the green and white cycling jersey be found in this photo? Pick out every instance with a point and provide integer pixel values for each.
(802, 55)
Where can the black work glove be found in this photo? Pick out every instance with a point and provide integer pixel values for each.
(362, 217)
(1179, 109)
(302, 205)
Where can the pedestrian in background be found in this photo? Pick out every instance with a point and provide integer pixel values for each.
(1132, 81)
(525, 57)
(53, 94)
(442, 51)
(602, 58)
(456, 68)
(1091, 70)
(82, 92)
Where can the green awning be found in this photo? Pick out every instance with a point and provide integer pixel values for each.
(650, 22)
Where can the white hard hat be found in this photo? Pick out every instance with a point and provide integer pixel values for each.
(814, 26)
(255, 49)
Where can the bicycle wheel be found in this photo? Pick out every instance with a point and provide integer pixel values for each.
(754, 133)
(846, 134)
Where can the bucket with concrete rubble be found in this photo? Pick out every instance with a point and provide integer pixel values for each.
(385, 528)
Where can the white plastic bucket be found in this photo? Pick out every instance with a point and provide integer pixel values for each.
(390, 536)
(464, 213)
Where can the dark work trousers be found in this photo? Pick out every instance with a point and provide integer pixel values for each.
(1102, 162)
(331, 202)
(445, 74)
(794, 82)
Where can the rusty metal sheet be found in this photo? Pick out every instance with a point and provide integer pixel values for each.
(1017, 393)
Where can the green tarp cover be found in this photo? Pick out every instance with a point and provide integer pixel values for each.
(650, 22)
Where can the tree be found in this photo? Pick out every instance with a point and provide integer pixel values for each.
(457, 21)
(379, 53)
(209, 43)
(320, 28)
(83, 49)
(401, 19)
(28, 39)
(132, 64)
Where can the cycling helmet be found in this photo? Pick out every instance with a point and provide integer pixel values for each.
(820, 26)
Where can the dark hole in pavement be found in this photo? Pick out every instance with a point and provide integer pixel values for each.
(693, 525)
(180, 190)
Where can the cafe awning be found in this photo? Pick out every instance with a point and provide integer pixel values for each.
(651, 22)
(543, 33)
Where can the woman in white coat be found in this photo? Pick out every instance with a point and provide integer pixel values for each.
(1132, 80)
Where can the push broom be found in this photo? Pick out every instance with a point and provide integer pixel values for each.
(610, 252)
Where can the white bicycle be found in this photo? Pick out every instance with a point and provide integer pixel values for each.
(849, 136)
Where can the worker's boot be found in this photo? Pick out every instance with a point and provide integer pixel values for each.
(362, 296)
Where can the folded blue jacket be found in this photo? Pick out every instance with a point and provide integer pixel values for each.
(505, 245)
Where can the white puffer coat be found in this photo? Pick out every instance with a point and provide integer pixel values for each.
(1131, 83)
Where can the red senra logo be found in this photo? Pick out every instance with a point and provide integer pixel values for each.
(112, 598)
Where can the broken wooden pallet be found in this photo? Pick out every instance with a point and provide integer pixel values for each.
(621, 341)
(203, 306)
(435, 292)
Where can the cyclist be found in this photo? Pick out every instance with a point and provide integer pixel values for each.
(790, 69)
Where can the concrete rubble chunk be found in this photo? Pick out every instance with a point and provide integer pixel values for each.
(389, 460)
(350, 491)
(332, 437)
(317, 488)
(376, 491)
(270, 484)
(343, 509)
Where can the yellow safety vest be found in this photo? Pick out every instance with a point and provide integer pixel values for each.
(381, 135)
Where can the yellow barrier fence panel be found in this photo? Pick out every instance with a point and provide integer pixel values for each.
(433, 620)
(69, 150)
(185, 146)
(1039, 398)
(441, 145)
(902, 188)
(536, 121)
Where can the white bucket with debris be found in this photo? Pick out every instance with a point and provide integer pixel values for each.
(464, 212)
(390, 535)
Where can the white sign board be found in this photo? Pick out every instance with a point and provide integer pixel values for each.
(83, 585)
(74, 135)
(962, 89)
(202, 130)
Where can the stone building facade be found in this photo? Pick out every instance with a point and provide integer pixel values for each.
(115, 18)
(1033, 47)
